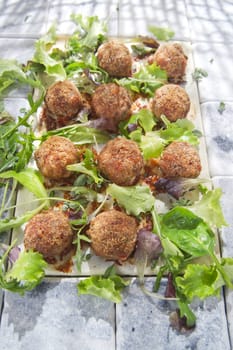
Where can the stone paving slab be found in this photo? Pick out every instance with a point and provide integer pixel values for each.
(143, 323)
(226, 236)
(60, 12)
(52, 316)
(218, 130)
(136, 15)
(23, 18)
(216, 60)
(210, 20)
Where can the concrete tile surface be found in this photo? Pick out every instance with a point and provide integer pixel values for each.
(218, 130)
(226, 238)
(143, 323)
(216, 60)
(60, 13)
(136, 15)
(52, 316)
(210, 20)
(24, 18)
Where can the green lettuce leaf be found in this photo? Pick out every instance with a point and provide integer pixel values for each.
(87, 166)
(144, 118)
(185, 311)
(80, 134)
(105, 287)
(188, 231)
(26, 273)
(199, 281)
(151, 145)
(42, 55)
(180, 130)
(30, 179)
(209, 208)
(160, 33)
(88, 35)
(135, 199)
(146, 80)
(14, 222)
(12, 74)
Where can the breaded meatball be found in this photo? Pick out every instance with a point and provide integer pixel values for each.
(171, 57)
(115, 58)
(113, 235)
(180, 159)
(50, 234)
(121, 161)
(63, 101)
(54, 155)
(111, 101)
(172, 101)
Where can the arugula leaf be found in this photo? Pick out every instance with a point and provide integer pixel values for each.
(105, 287)
(135, 199)
(26, 273)
(164, 34)
(146, 80)
(14, 222)
(209, 208)
(30, 179)
(87, 166)
(79, 134)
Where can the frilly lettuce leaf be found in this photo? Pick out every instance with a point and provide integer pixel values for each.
(190, 284)
(180, 130)
(146, 80)
(151, 145)
(89, 33)
(152, 142)
(160, 33)
(105, 287)
(43, 56)
(209, 208)
(26, 273)
(135, 199)
(12, 74)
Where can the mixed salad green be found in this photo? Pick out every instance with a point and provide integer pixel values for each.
(178, 238)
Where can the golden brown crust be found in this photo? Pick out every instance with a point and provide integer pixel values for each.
(113, 235)
(115, 58)
(50, 234)
(54, 155)
(111, 101)
(172, 101)
(171, 58)
(63, 101)
(180, 159)
(121, 161)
